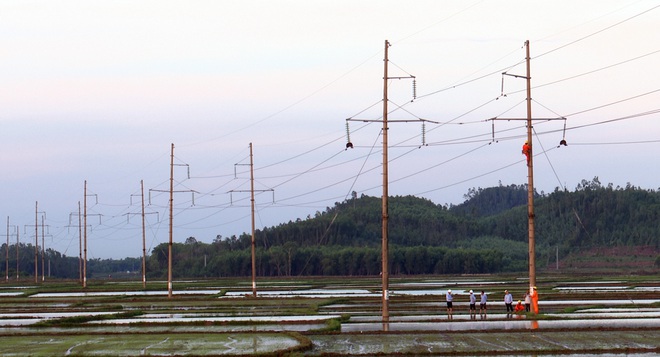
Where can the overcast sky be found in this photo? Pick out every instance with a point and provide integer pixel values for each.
(100, 90)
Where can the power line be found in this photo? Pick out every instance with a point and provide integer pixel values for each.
(588, 72)
(597, 32)
(612, 103)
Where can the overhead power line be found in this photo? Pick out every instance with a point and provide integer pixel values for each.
(597, 32)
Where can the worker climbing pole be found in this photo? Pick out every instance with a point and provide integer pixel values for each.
(527, 151)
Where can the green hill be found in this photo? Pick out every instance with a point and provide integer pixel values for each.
(488, 233)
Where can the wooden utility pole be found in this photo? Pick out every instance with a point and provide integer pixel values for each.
(7, 253)
(85, 238)
(80, 250)
(530, 177)
(530, 168)
(43, 250)
(252, 215)
(36, 242)
(169, 247)
(17, 251)
(144, 244)
(254, 259)
(385, 271)
(385, 204)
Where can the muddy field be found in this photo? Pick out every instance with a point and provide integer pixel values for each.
(604, 316)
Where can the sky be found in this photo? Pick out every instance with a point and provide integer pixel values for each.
(97, 92)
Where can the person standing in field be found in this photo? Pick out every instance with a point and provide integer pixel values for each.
(450, 299)
(528, 302)
(508, 301)
(473, 305)
(482, 304)
(535, 300)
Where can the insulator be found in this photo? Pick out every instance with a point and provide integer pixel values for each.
(414, 88)
(348, 137)
(423, 133)
(502, 90)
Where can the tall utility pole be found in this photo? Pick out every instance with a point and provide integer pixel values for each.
(530, 167)
(80, 264)
(253, 245)
(17, 251)
(171, 220)
(7, 253)
(144, 233)
(252, 207)
(84, 279)
(36, 242)
(43, 250)
(144, 246)
(385, 273)
(530, 177)
(385, 204)
(169, 247)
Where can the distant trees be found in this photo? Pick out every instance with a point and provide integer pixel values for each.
(485, 234)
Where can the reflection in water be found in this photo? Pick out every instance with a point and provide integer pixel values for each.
(485, 325)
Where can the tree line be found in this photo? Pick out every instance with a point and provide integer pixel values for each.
(485, 234)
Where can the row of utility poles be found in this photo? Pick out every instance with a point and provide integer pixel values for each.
(36, 247)
(385, 207)
(384, 214)
(83, 225)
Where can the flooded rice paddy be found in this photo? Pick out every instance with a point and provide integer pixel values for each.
(331, 317)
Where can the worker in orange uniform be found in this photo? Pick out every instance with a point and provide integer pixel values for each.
(527, 151)
(520, 308)
(535, 299)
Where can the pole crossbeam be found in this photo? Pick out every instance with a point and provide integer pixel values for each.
(526, 119)
(394, 120)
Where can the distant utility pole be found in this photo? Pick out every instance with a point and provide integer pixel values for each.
(169, 246)
(171, 219)
(253, 244)
(7, 253)
(385, 274)
(43, 249)
(144, 244)
(252, 204)
(84, 277)
(36, 240)
(36, 243)
(80, 260)
(84, 272)
(17, 251)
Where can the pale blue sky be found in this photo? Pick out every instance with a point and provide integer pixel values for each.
(98, 91)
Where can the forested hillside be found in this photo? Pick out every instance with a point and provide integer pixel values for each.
(485, 234)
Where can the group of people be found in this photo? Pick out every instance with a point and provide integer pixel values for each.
(519, 308)
(473, 304)
(530, 300)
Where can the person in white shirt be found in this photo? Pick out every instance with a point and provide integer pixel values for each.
(473, 305)
(482, 304)
(508, 301)
(450, 299)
